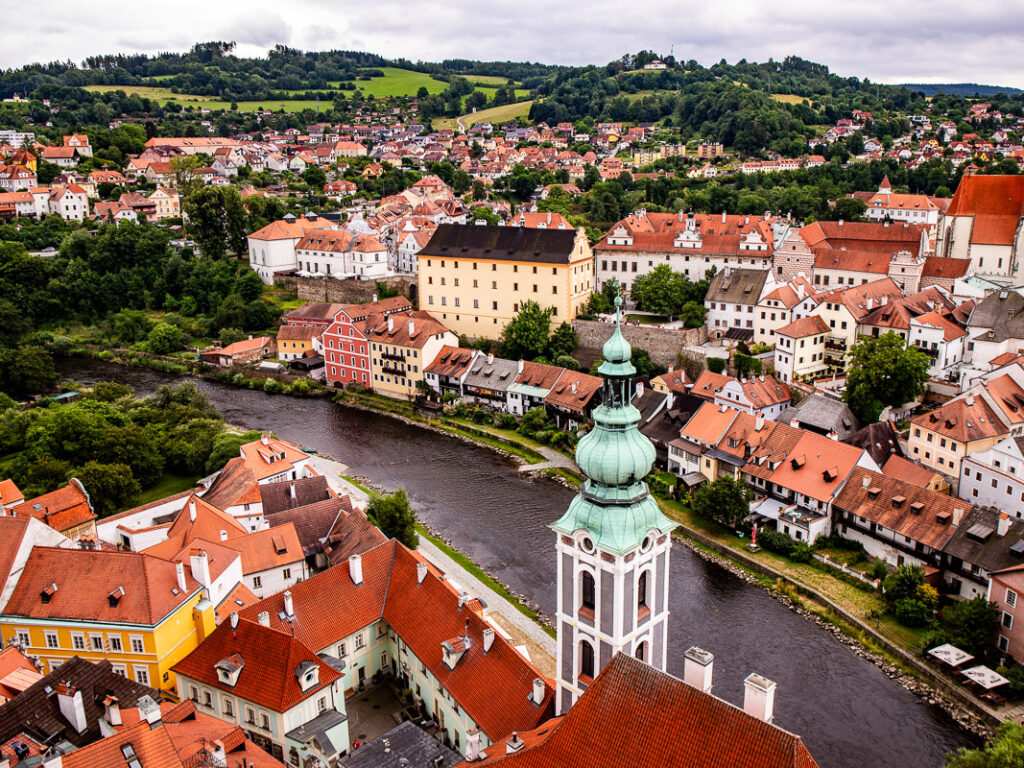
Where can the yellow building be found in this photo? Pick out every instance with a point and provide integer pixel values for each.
(402, 345)
(474, 278)
(141, 613)
(168, 204)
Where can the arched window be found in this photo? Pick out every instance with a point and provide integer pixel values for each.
(586, 659)
(587, 591)
(641, 651)
(641, 591)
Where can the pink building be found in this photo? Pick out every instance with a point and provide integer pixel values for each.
(1006, 590)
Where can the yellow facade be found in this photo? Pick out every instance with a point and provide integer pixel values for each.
(478, 297)
(144, 653)
(941, 453)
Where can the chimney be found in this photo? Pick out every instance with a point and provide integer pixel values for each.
(412, 327)
(233, 618)
(289, 606)
(833, 435)
(490, 358)
(291, 490)
(421, 572)
(520, 366)
(217, 753)
(759, 697)
(639, 389)
(69, 699)
(958, 515)
(265, 438)
(391, 323)
(1003, 525)
(375, 297)
(463, 599)
(698, 665)
(263, 618)
(179, 571)
(200, 564)
(514, 744)
(488, 638)
(969, 400)
(192, 511)
(223, 535)
(149, 711)
(355, 569)
(473, 752)
(112, 710)
(723, 217)
(758, 422)
(538, 691)
(865, 482)
(794, 423)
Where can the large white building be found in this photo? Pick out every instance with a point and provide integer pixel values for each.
(996, 477)
(272, 248)
(342, 254)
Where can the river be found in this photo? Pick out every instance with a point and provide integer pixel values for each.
(848, 712)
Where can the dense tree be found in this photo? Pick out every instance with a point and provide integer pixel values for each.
(110, 486)
(726, 500)
(883, 371)
(165, 338)
(1005, 750)
(526, 335)
(563, 341)
(393, 515)
(26, 370)
(970, 625)
(130, 325)
(666, 292)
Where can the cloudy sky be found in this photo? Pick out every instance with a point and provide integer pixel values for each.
(889, 41)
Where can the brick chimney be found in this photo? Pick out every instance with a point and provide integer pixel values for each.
(759, 697)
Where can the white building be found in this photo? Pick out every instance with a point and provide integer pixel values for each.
(71, 203)
(342, 254)
(732, 298)
(942, 340)
(272, 248)
(996, 477)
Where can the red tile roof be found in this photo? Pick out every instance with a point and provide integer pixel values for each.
(633, 715)
(152, 746)
(269, 548)
(805, 326)
(708, 383)
(657, 232)
(271, 660)
(236, 484)
(962, 422)
(10, 493)
(450, 361)
(266, 459)
(812, 462)
(62, 509)
(573, 391)
(424, 327)
(87, 582)
(995, 202)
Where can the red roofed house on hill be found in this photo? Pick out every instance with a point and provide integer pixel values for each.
(272, 248)
(983, 225)
(66, 509)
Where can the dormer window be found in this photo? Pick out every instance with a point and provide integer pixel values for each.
(308, 675)
(873, 492)
(897, 501)
(47, 594)
(115, 596)
(229, 669)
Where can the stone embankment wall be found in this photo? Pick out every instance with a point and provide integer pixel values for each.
(664, 346)
(346, 291)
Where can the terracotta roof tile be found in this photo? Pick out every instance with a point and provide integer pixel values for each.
(152, 746)
(962, 422)
(805, 326)
(62, 509)
(269, 548)
(995, 202)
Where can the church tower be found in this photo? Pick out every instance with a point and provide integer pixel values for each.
(613, 542)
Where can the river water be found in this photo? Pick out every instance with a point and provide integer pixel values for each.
(849, 714)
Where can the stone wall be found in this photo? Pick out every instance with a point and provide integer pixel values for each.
(346, 291)
(664, 346)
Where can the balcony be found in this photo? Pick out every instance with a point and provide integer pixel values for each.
(399, 358)
(835, 344)
(394, 370)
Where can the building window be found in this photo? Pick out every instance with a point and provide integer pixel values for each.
(586, 660)
(23, 638)
(51, 640)
(641, 591)
(1011, 598)
(360, 641)
(257, 582)
(587, 591)
(78, 641)
(321, 704)
(229, 707)
(286, 573)
(264, 721)
(1007, 620)
(141, 675)
(136, 644)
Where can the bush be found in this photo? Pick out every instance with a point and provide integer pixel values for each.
(504, 420)
(776, 542)
(660, 486)
(880, 570)
(273, 387)
(716, 364)
(912, 613)
(801, 553)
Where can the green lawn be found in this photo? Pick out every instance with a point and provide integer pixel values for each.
(399, 82)
(498, 114)
(487, 81)
(168, 485)
(164, 95)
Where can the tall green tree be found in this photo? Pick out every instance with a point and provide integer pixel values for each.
(110, 486)
(526, 335)
(883, 371)
(1005, 750)
(726, 500)
(393, 515)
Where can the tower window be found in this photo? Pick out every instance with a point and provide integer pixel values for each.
(641, 651)
(586, 660)
(587, 596)
(641, 592)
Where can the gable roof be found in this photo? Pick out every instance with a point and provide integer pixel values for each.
(995, 202)
(904, 469)
(813, 460)
(965, 420)
(574, 391)
(269, 548)
(976, 540)
(804, 326)
(152, 748)
(399, 333)
(269, 456)
(235, 484)
(271, 659)
(879, 440)
(709, 423)
(636, 715)
(85, 581)
(450, 361)
(289, 494)
(62, 509)
(737, 286)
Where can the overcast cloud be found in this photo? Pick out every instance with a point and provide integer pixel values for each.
(887, 41)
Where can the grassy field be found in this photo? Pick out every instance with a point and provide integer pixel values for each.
(492, 115)
(487, 81)
(168, 485)
(788, 98)
(399, 82)
(163, 95)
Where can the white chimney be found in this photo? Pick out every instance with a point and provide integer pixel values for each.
(865, 482)
(263, 618)
(514, 744)
(488, 638)
(223, 535)
(200, 563)
(291, 490)
(463, 599)
(265, 438)
(289, 606)
(698, 666)
(375, 298)
(412, 327)
(355, 569)
(958, 515)
(473, 752)
(421, 572)
(69, 699)
(391, 323)
(149, 710)
(233, 618)
(639, 389)
(758, 422)
(1004, 524)
(538, 691)
(833, 435)
(192, 511)
(969, 400)
(794, 423)
(759, 697)
(179, 571)
(112, 710)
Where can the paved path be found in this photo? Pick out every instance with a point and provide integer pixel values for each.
(333, 471)
(554, 459)
(494, 601)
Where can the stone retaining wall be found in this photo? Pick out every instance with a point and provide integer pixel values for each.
(664, 346)
(346, 291)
